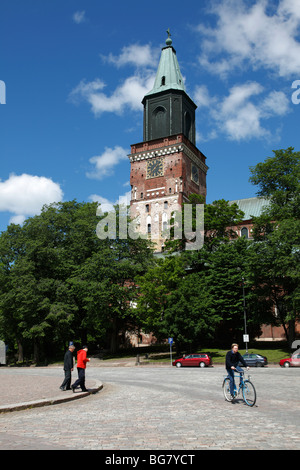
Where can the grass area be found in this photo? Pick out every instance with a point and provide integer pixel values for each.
(273, 355)
(218, 355)
(274, 351)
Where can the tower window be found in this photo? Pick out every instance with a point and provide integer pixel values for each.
(166, 205)
(159, 126)
(147, 207)
(188, 125)
(148, 224)
(163, 80)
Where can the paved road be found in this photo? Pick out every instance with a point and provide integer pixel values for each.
(153, 408)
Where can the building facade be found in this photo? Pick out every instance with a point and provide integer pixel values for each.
(166, 167)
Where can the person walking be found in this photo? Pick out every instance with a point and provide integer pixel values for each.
(233, 357)
(81, 366)
(68, 367)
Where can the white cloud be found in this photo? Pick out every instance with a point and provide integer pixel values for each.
(135, 54)
(88, 88)
(17, 219)
(86, 91)
(128, 95)
(104, 164)
(259, 36)
(105, 205)
(79, 17)
(24, 195)
(241, 115)
(239, 94)
(130, 92)
(202, 97)
(276, 103)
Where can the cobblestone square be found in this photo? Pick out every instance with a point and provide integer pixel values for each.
(153, 408)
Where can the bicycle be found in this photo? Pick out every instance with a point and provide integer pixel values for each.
(246, 386)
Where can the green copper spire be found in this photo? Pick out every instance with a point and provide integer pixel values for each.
(168, 110)
(168, 75)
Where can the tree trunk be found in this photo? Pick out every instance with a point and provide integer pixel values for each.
(291, 333)
(20, 351)
(114, 336)
(35, 351)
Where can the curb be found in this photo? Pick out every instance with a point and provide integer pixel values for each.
(50, 401)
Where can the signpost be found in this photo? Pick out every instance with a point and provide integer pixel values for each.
(246, 341)
(245, 336)
(2, 353)
(170, 340)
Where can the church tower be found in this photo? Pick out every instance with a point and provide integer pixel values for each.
(167, 166)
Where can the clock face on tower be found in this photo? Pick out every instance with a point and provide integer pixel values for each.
(155, 168)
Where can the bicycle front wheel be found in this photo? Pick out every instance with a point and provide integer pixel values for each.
(249, 393)
(226, 389)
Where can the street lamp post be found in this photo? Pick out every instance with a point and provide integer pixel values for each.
(245, 318)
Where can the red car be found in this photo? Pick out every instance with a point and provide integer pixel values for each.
(197, 360)
(292, 361)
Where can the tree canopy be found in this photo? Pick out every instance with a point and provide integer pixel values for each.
(276, 252)
(61, 281)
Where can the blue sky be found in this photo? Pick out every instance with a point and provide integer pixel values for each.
(75, 73)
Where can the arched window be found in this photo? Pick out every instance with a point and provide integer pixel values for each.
(165, 224)
(159, 122)
(148, 222)
(245, 232)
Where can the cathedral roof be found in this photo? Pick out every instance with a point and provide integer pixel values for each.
(252, 206)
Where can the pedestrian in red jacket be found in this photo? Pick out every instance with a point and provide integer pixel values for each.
(81, 366)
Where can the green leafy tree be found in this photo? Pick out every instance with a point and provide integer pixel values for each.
(275, 261)
(174, 303)
(218, 219)
(225, 274)
(278, 180)
(60, 281)
(275, 275)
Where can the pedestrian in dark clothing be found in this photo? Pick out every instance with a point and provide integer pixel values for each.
(81, 366)
(233, 357)
(68, 368)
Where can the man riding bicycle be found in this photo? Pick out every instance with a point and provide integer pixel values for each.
(233, 357)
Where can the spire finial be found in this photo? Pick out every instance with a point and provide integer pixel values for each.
(169, 40)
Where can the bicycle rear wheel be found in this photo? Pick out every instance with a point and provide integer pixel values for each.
(249, 393)
(226, 389)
